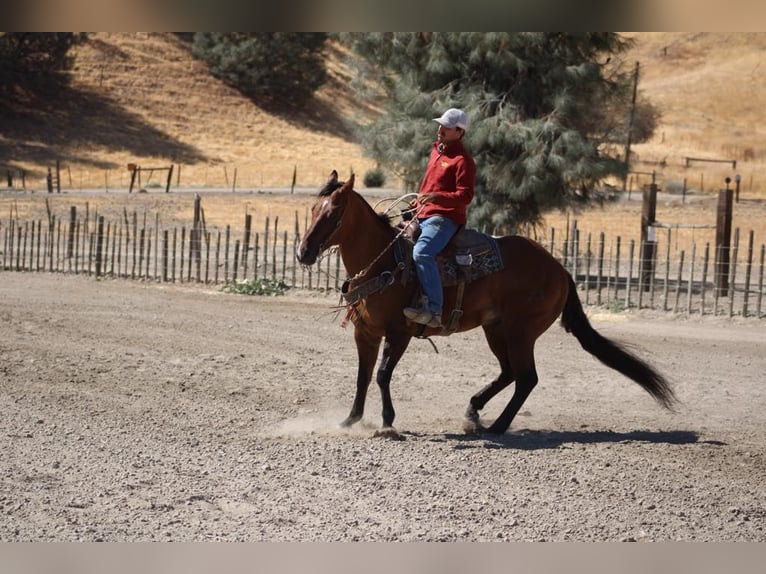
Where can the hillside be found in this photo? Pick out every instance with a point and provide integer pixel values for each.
(711, 88)
(141, 98)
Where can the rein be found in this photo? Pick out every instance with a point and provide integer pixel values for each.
(364, 271)
(379, 283)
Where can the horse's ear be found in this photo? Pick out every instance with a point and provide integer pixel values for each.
(349, 185)
(333, 179)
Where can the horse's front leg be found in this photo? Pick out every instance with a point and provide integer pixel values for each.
(367, 347)
(393, 350)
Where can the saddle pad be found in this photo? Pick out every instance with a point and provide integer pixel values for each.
(484, 257)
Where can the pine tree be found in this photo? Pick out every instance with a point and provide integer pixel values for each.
(547, 113)
(32, 61)
(271, 67)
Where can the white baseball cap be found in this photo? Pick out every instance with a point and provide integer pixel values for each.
(453, 118)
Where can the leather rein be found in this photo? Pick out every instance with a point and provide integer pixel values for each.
(352, 296)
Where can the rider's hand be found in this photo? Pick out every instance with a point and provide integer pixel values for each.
(425, 198)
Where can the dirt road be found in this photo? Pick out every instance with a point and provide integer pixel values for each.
(146, 412)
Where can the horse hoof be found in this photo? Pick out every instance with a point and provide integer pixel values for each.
(389, 433)
(348, 422)
(472, 427)
(471, 423)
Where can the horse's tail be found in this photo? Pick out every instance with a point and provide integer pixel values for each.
(575, 321)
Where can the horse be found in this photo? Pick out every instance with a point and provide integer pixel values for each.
(514, 306)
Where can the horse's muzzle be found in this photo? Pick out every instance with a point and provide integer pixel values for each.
(306, 254)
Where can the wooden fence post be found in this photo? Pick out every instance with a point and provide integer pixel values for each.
(705, 264)
(207, 257)
(601, 241)
(733, 270)
(70, 240)
(588, 256)
(690, 286)
(226, 255)
(748, 270)
(133, 169)
(165, 255)
(274, 249)
(170, 178)
(723, 242)
(99, 245)
(648, 217)
(760, 281)
(246, 242)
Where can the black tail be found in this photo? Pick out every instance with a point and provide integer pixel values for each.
(575, 321)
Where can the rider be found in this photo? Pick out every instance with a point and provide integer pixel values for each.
(444, 195)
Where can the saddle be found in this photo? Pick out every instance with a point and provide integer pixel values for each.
(470, 255)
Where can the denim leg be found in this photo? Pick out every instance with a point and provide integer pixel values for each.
(435, 233)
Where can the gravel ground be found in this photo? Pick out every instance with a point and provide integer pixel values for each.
(146, 412)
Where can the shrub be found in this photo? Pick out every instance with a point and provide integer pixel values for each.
(616, 306)
(374, 178)
(271, 287)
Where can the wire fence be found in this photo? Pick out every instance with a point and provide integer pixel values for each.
(656, 275)
(610, 272)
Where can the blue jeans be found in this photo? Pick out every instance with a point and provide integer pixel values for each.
(435, 233)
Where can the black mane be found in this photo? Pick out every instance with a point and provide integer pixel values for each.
(329, 187)
(384, 218)
(333, 184)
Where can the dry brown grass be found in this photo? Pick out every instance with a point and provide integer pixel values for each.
(140, 98)
(173, 209)
(711, 89)
(623, 219)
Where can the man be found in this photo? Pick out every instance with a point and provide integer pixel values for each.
(443, 198)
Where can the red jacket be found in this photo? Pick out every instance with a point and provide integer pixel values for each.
(450, 178)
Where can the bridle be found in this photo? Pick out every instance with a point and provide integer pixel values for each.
(338, 223)
(337, 219)
(390, 275)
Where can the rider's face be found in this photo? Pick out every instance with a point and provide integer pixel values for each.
(446, 135)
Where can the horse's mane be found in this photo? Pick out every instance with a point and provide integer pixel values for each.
(384, 218)
(329, 187)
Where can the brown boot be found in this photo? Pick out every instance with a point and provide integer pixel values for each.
(423, 316)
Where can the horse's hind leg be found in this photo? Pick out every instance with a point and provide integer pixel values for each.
(521, 356)
(499, 346)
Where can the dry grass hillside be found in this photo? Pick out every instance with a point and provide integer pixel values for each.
(711, 89)
(141, 98)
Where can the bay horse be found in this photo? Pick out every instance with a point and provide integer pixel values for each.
(513, 306)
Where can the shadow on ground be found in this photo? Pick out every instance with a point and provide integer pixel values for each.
(540, 439)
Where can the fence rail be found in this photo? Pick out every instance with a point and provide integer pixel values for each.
(607, 270)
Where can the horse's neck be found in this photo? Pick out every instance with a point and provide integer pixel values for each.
(366, 238)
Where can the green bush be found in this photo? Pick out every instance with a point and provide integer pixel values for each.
(616, 306)
(271, 287)
(374, 178)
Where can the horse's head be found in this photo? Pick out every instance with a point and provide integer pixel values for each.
(326, 219)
